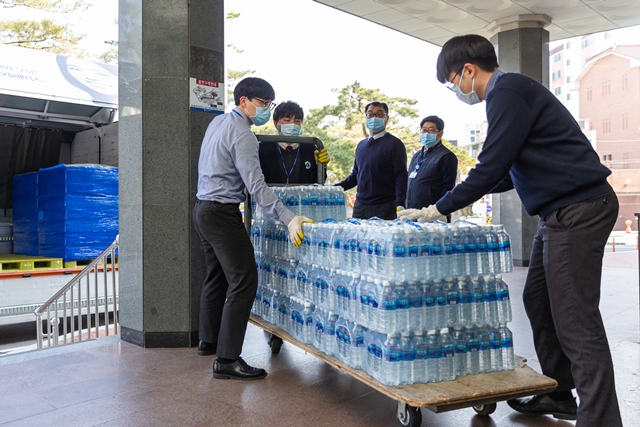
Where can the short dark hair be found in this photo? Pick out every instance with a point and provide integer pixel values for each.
(288, 109)
(434, 119)
(378, 104)
(253, 87)
(460, 50)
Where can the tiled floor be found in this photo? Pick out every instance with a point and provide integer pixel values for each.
(112, 383)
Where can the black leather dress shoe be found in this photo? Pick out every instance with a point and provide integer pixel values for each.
(238, 370)
(206, 348)
(544, 405)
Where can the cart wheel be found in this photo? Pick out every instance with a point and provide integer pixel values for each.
(275, 343)
(408, 415)
(487, 409)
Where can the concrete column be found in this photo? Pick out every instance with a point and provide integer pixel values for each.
(162, 43)
(522, 46)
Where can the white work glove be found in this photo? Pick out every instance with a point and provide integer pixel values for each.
(295, 229)
(425, 214)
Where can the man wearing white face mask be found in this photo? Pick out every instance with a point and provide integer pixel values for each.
(379, 169)
(534, 145)
(227, 164)
(290, 163)
(433, 168)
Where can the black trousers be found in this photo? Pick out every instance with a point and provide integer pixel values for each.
(561, 298)
(231, 282)
(385, 210)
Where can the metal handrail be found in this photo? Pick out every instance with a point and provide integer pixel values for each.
(78, 306)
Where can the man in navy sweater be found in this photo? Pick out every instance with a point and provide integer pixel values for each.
(379, 169)
(534, 145)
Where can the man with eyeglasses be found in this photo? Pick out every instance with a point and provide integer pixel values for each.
(433, 169)
(534, 145)
(290, 163)
(379, 169)
(228, 163)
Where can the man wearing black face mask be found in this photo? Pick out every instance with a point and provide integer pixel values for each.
(534, 145)
(433, 169)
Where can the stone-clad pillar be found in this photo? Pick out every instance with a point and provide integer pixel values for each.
(522, 46)
(162, 44)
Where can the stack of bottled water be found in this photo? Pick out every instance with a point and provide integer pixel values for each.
(406, 303)
(316, 202)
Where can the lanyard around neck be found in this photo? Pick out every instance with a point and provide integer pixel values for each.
(284, 166)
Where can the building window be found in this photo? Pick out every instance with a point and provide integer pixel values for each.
(568, 97)
(606, 125)
(568, 46)
(568, 79)
(606, 88)
(625, 121)
(604, 158)
(557, 91)
(607, 34)
(568, 62)
(587, 42)
(557, 57)
(624, 82)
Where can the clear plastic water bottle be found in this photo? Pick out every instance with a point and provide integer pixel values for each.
(353, 301)
(424, 268)
(370, 241)
(386, 320)
(335, 247)
(434, 356)
(482, 250)
(504, 301)
(267, 299)
(493, 251)
(451, 309)
(407, 358)
(283, 313)
(484, 350)
(447, 371)
(490, 300)
(329, 331)
(495, 341)
(309, 326)
(321, 287)
(413, 254)
(256, 234)
(357, 346)
(319, 318)
(473, 350)
(434, 259)
(296, 320)
(373, 365)
(460, 358)
(398, 256)
(458, 251)
(403, 307)
(257, 302)
(420, 367)
(356, 248)
(506, 338)
(446, 267)
(441, 310)
(463, 302)
(428, 306)
(391, 352)
(337, 290)
(476, 285)
(504, 246)
(470, 251)
(416, 306)
(363, 294)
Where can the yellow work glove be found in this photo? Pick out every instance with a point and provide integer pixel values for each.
(427, 214)
(295, 229)
(322, 156)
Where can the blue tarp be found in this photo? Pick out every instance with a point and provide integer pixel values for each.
(25, 213)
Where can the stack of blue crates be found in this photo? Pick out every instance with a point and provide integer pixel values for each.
(25, 214)
(77, 211)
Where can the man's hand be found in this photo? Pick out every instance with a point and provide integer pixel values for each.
(295, 229)
(426, 214)
(322, 156)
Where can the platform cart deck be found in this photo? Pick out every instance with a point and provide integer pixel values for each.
(481, 392)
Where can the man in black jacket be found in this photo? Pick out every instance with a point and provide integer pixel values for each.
(284, 163)
(433, 169)
(534, 145)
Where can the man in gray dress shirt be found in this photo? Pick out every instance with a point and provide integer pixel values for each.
(229, 162)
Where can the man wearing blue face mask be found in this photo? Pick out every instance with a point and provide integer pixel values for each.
(534, 145)
(228, 163)
(433, 168)
(379, 169)
(286, 163)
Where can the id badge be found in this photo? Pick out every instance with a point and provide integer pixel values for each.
(413, 174)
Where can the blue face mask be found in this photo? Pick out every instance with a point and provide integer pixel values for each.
(470, 98)
(289, 129)
(428, 139)
(375, 124)
(263, 114)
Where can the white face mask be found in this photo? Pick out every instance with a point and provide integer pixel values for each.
(468, 98)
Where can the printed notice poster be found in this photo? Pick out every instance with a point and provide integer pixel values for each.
(205, 95)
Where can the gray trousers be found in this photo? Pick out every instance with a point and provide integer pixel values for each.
(561, 298)
(231, 282)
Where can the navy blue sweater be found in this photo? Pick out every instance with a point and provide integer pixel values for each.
(435, 176)
(534, 145)
(379, 171)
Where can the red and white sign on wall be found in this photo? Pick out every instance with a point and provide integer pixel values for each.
(205, 95)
